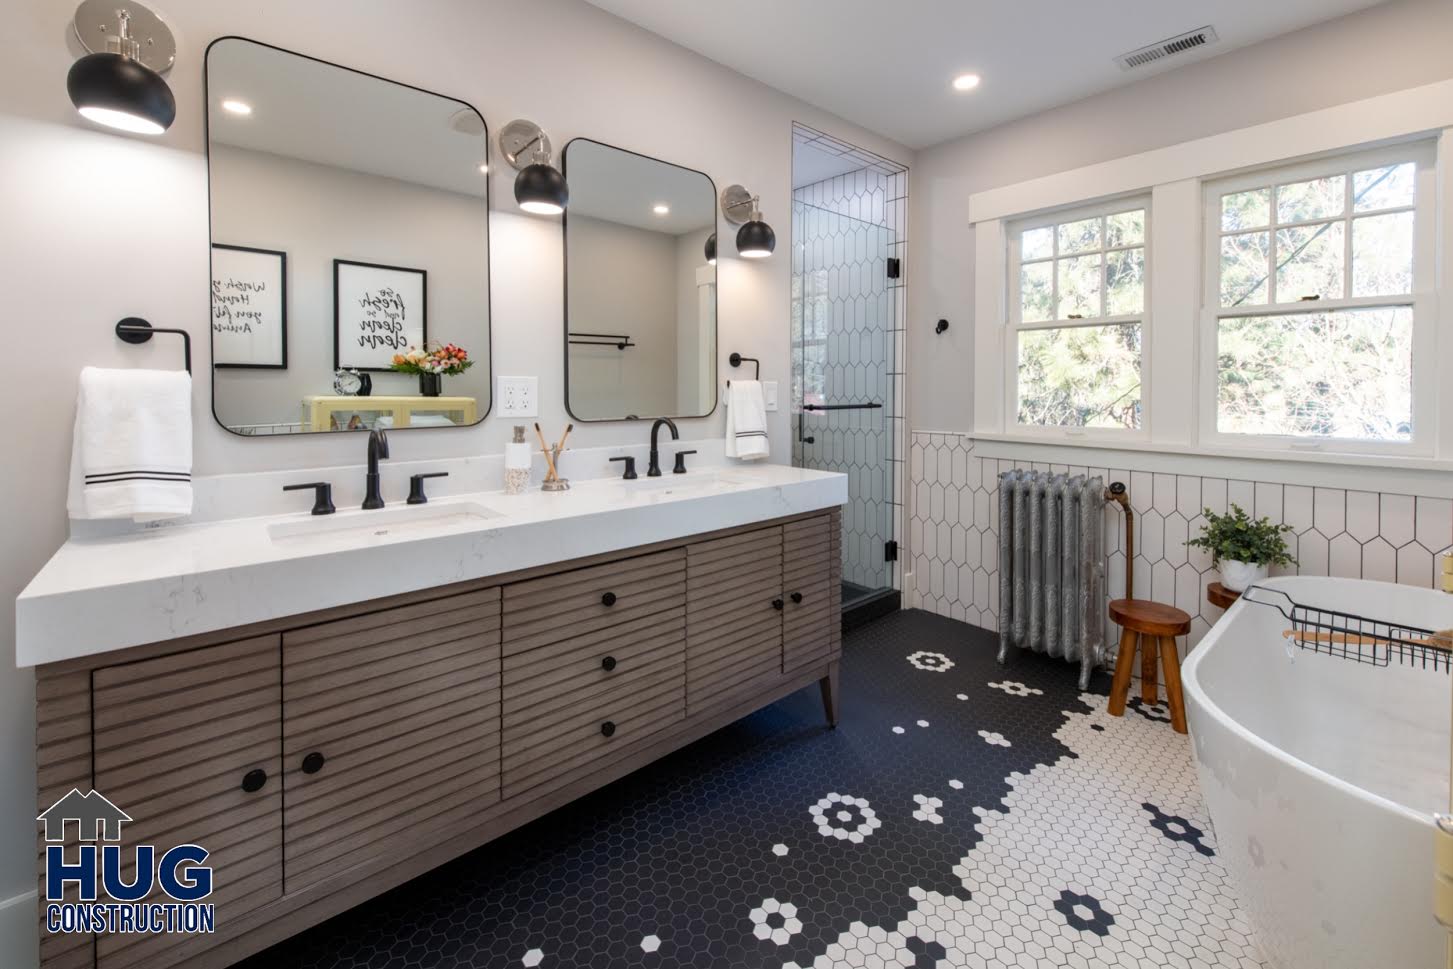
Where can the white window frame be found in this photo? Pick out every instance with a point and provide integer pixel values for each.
(1014, 325)
(1421, 300)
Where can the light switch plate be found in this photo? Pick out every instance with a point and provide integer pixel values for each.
(769, 394)
(518, 396)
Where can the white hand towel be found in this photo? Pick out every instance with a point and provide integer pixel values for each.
(746, 425)
(131, 454)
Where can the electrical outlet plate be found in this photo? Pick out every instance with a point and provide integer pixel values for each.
(769, 394)
(518, 396)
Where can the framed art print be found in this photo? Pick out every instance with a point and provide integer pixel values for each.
(378, 311)
(249, 308)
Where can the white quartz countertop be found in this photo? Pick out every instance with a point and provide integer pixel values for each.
(102, 594)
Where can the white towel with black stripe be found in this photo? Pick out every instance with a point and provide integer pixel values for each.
(746, 424)
(131, 454)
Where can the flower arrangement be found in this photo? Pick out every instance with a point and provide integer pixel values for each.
(432, 359)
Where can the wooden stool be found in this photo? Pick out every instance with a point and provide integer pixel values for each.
(1155, 627)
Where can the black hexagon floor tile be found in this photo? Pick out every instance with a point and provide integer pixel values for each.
(777, 842)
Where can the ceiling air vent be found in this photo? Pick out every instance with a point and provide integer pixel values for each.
(1179, 44)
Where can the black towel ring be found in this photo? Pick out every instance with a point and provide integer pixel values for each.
(736, 361)
(136, 331)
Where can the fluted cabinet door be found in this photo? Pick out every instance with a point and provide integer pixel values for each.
(390, 730)
(175, 737)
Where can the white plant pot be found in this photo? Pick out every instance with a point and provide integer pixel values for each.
(1236, 576)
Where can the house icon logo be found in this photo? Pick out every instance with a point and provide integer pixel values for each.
(97, 819)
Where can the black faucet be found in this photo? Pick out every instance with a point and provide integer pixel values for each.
(377, 448)
(654, 471)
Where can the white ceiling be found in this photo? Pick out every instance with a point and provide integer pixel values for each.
(888, 66)
(811, 165)
(317, 112)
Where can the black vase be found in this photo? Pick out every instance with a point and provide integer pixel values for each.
(430, 384)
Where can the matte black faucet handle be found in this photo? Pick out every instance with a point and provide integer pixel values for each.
(681, 462)
(416, 486)
(322, 495)
(630, 461)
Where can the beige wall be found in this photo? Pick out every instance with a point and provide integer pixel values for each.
(98, 226)
(1386, 48)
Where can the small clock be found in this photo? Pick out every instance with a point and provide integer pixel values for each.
(351, 383)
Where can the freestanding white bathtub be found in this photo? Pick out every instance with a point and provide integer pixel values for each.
(1321, 775)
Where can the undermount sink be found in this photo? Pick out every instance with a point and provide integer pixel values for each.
(397, 520)
(672, 485)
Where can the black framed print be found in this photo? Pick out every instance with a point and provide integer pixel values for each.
(249, 307)
(378, 311)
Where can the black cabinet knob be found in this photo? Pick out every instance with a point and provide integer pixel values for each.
(777, 604)
(609, 599)
(313, 763)
(608, 664)
(608, 729)
(253, 780)
(796, 597)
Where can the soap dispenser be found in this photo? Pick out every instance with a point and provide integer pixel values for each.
(517, 463)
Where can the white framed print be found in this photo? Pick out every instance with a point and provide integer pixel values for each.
(378, 311)
(249, 307)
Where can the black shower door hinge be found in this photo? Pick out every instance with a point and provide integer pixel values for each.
(890, 551)
(895, 268)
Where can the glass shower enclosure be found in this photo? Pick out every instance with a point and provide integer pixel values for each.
(842, 380)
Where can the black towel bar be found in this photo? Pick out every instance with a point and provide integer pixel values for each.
(135, 330)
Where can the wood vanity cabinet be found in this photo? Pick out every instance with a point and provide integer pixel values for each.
(323, 759)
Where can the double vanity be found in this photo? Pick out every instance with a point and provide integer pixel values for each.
(332, 704)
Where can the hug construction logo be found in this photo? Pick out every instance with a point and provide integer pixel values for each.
(113, 884)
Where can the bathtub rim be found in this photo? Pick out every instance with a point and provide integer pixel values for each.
(1191, 684)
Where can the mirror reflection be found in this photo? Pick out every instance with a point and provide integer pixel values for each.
(640, 286)
(350, 248)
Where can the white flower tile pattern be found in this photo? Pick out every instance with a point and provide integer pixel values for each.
(953, 532)
(1140, 889)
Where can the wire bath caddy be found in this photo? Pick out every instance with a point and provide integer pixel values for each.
(1374, 642)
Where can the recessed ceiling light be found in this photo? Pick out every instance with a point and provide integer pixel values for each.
(484, 169)
(236, 107)
(966, 82)
(661, 208)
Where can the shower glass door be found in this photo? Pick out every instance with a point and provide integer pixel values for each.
(842, 378)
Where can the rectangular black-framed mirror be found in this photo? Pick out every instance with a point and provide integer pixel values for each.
(350, 248)
(640, 286)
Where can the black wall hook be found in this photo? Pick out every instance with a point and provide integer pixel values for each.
(941, 326)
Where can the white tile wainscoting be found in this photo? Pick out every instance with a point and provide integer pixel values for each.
(953, 531)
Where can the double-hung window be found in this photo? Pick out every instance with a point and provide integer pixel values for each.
(1078, 290)
(1317, 326)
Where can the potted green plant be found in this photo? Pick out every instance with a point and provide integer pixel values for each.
(1243, 548)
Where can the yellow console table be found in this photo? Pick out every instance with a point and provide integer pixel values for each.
(320, 410)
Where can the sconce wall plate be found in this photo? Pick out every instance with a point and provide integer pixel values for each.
(520, 140)
(96, 29)
(737, 204)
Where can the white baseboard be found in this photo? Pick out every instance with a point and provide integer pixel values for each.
(19, 932)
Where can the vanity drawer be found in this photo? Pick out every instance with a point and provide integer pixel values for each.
(174, 738)
(810, 553)
(582, 667)
(734, 615)
(551, 739)
(541, 611)
(391, 727)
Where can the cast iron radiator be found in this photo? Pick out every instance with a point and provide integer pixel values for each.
(1052, 567)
